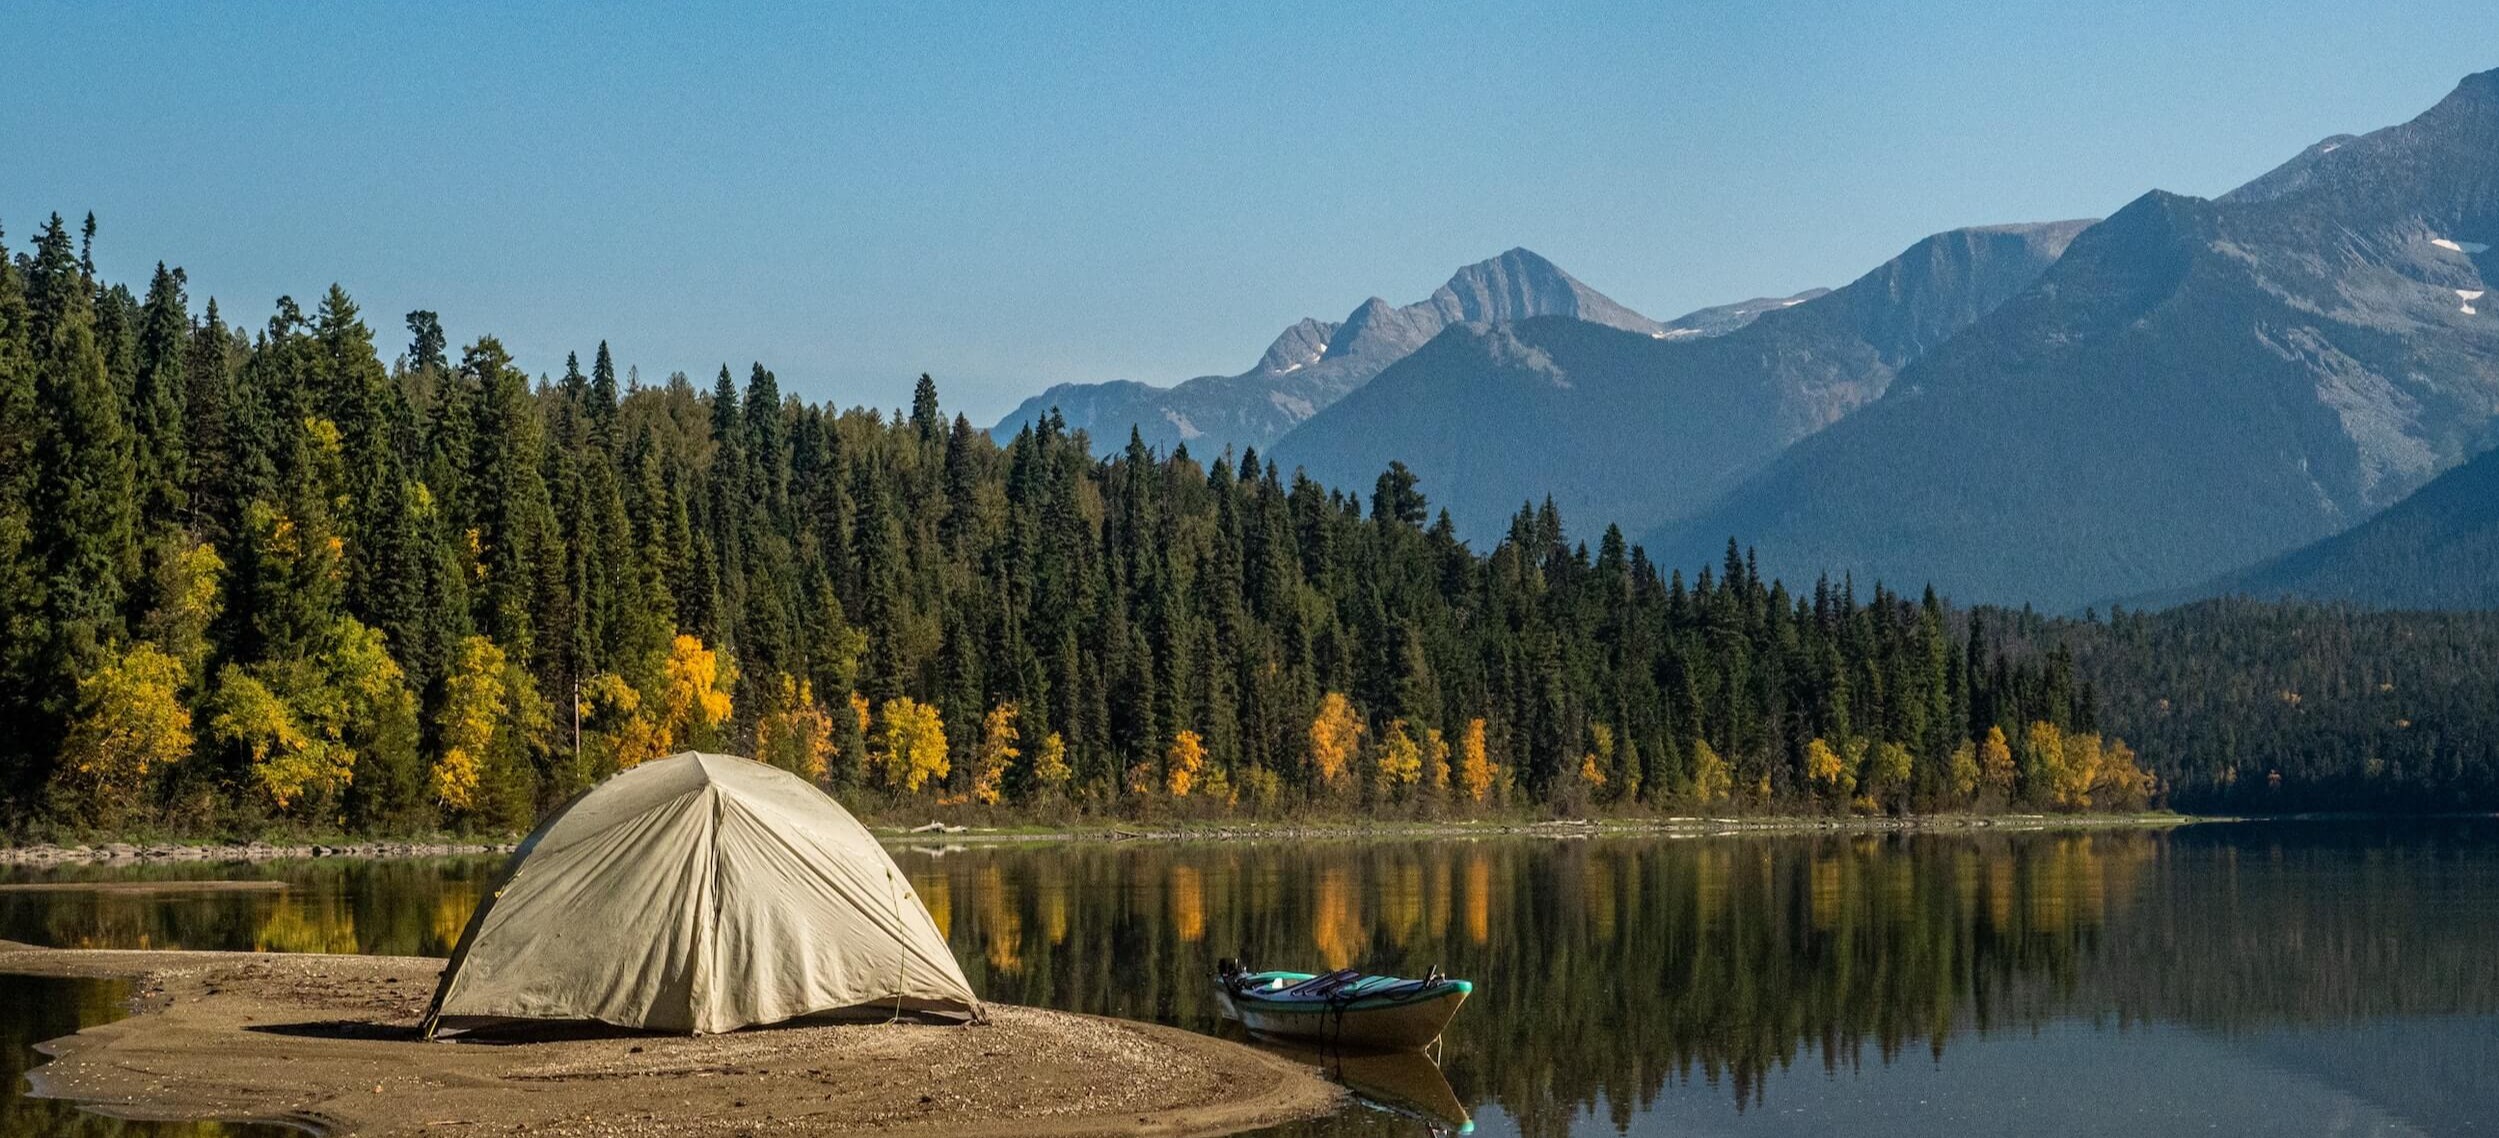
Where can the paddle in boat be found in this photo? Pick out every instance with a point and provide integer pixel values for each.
(1343, 1008)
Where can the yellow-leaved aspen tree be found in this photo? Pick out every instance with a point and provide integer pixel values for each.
(473, 706)
(1712, 779)
(1474, 762)
(1401, 759)
(997, 752)
(1335, 738)
(694, 704)
(1182, 763)
(912, 744)
(1050, 770)
(130, 721)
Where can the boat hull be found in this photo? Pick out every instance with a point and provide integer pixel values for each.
(1404, 1026)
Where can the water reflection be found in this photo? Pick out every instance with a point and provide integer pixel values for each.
(1616, 975)
(412, 908)
(33, 1010)
(2333, 978)
(1403, 1083)
(397, 908)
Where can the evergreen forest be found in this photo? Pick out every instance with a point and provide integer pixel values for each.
(256, 575)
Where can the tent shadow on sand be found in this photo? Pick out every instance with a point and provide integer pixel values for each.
(697, 894)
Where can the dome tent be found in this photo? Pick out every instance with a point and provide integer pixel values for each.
(699, 893)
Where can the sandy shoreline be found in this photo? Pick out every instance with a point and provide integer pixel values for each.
(328, 1043)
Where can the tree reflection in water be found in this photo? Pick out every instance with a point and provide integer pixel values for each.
(1611, 972)
(412, 907)
(1607, 969)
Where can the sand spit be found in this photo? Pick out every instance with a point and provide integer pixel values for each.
(328, 1043)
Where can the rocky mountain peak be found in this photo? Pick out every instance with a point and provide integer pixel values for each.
(2442, 166)
(1519, 285)
(1314, 362)
(1298, 347)
(2477, 93)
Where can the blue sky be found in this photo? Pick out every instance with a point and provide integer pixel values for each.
(1012, 195)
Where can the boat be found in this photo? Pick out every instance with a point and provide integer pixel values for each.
(1345, 1008)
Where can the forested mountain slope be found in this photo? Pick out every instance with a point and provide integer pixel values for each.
(2194, 386)
(2438, 549)
(1637, 430)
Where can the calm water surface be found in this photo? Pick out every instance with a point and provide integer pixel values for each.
(2248, 979)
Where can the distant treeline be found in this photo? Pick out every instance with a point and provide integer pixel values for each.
(256, 577)
(2292, 705)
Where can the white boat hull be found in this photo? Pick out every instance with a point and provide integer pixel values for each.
(1402, 1027)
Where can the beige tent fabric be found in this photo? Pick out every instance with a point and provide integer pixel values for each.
(700, 893)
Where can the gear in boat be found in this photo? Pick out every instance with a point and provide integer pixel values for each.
(1342, 1008)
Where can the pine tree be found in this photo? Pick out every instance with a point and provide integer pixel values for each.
(522, 569)
(160, 449)
(24, 659)
(85, 538)
(925, 416)
(728, 508)
(427, 347)
(208, 372)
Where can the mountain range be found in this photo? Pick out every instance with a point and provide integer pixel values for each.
(2240, 394)
(2196, 385)
(1637, 429)
(1313, 363)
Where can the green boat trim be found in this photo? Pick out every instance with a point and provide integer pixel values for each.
(1365, 994)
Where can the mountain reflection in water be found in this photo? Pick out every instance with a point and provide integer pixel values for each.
(2241, 978)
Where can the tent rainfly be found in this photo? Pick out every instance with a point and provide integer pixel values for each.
(699, 893)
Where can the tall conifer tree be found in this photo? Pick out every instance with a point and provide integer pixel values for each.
(85, 515)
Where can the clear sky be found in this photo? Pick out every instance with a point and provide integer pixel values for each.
(1010, 196)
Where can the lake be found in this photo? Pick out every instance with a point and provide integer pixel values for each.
(2327, 978)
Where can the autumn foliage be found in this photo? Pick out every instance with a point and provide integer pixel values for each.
(1182, 763)
(1475, 768)
(911, 745)
(1335, 738)
(996, 755)
(131, 722)
(795, 733)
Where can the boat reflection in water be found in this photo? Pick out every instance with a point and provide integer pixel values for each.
(1402, 1082)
